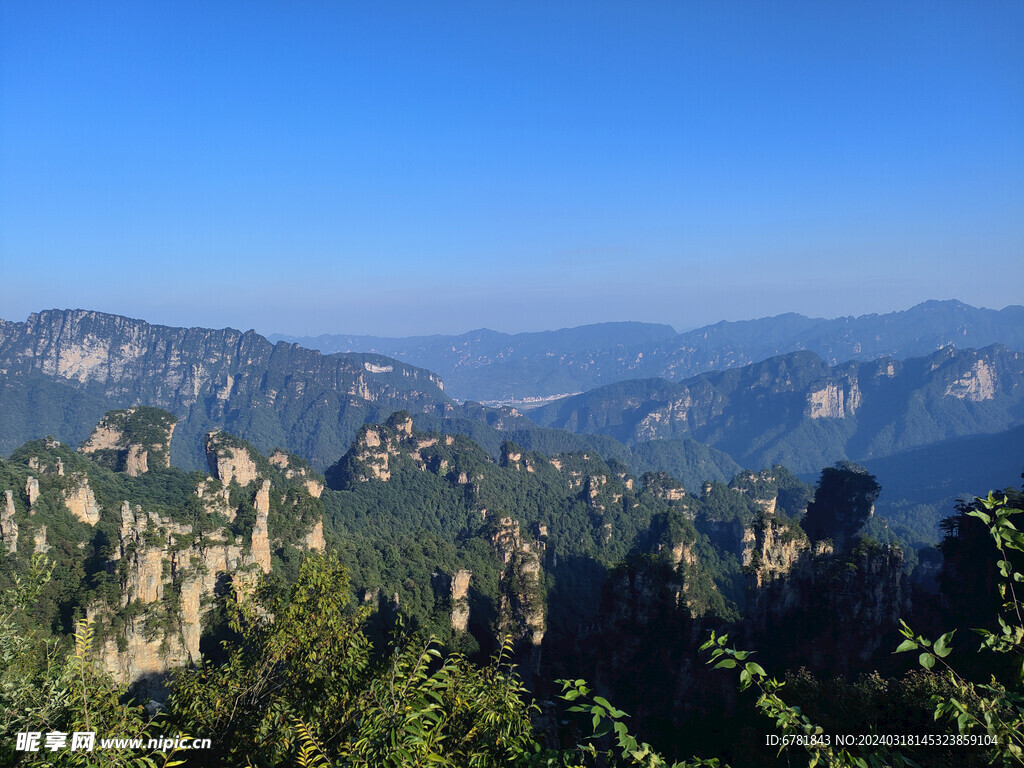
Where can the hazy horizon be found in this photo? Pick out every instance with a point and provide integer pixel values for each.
(267, 332)
(406, 169)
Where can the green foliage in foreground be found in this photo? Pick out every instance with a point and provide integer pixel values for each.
(983, 713)
(302, 685)
(43, 690)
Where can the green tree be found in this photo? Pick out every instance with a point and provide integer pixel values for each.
(43, 690)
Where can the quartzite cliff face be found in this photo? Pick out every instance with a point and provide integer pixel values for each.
(210, 378)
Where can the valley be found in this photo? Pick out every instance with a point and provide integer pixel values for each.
(173, 477)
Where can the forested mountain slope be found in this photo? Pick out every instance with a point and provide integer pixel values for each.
(584, 565)
(921, 486)
(63, 369)
(798, 410)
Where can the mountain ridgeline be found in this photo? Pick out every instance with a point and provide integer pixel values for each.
(61, 370)
(797, 410)
(489, 366)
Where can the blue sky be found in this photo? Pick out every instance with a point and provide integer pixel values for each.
(406, 168)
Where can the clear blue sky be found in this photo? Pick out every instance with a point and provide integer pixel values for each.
(402, 168)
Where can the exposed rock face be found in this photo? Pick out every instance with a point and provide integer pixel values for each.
(292, 469)
(858, 598)
(216, 498)
(681, 553)
(32, 490)
(8, 527)
(230, 462)
(460, 599)
(403, 424)
(836, 400)
(105, 437)
(521, 614)
(512, 456)
(771, 550)
(314, 540)
(592, 487)
(80, 500)
(260, 531)
(979, 383)
(663, 485)
(136, 462)
(126, 440)
(174, 573)
(163, 558)
(376, 463)
(41, 547)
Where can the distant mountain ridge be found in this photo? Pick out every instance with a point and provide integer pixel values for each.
(490, 366)
(797, 410)
(495, 367)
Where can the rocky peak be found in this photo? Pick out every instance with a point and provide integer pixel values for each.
(42, 467)
(129, 440)
(260, 531)
(663, 485)
(294, 467)
(80, 499)
(521, 613)
(512, 456)
(32, 491)
(460, 599)
(860, 593)
(230, 459)
(401, 422)
(8, 527)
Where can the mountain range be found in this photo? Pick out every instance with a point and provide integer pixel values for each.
(62, 369)
(494, 367)
(605, 534)
(797, 410)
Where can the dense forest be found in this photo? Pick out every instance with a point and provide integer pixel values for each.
(428, 602)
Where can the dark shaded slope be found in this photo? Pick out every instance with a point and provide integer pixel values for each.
(921, 487)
